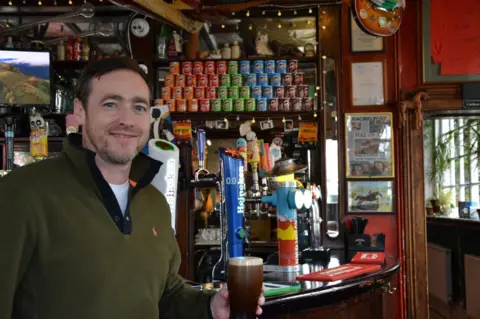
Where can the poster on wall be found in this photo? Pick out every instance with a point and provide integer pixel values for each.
(369, 145)
(370, 197)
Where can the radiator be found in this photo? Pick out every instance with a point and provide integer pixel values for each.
(472, 285)
(440, 272)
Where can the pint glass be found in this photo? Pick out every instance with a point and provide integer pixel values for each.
(245, 282)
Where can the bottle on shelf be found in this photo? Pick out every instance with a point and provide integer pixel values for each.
(77, 51)
(85, 50)
(235, 50)
(61, 51)
(9, 44)
(70, 48)
(226, 52)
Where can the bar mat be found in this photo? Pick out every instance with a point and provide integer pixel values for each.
(276, 288)
(372, 258)
(340, 273)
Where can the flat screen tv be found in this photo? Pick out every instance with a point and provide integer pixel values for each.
(25, 78)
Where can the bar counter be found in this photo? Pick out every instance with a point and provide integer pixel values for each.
(365, 296)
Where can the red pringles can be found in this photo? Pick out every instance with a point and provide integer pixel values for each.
(186, 67)
(166, 93)
(279, 92)
(209, 67)
(181, 105)
(298, 78)
(284, 105)
(197, 67)
(303, 91)
(291, 92)
(273, 105)
(287, 79)
(181, 80)
(191, 80)
(171, 105)
(188, 92)
(204, 105)
(192, 105)
(292, 66)
(202, 80)
(296, 104)
(170, 80)
(174, 68)
(213, 80)
(211, 92)
(199, 93)
(221, 67)
(178, 92)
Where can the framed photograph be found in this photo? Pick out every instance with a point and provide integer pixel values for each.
(448, 42)
(370, 197)
(368, 83)
(221, 125)
(361, 42)
(266, 125)
(369, 145)
(288, 126)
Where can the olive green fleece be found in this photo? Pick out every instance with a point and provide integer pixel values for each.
(62, 256)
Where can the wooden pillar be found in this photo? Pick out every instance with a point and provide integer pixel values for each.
(415, 250)
(192, 47)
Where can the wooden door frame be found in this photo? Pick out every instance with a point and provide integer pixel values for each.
(414, 259)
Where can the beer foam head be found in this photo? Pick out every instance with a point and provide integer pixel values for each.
(246, 261)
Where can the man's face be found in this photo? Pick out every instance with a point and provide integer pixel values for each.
(116, 120)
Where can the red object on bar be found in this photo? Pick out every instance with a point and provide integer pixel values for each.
(375, 258)
(340, 273)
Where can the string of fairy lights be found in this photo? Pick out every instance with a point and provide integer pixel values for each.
(48, 2)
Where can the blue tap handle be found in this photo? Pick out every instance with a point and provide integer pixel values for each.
(201, 139)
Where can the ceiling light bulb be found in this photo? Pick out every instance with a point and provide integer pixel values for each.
(225, 120)
(233, 13)
(310, 11)
(279, 13)
(250, 27)
(315, 114)
(295, 12)
(10, 3)
(317, 88)
(39, 2)
(323, 12)
(324, 57)
(263, 12)
(248, 13)
(283, 120)
(324, 27)
(253, 120)
(223, 26)
(279, 25)
(70, 2)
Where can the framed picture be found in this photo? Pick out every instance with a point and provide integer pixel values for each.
(368, 83)
(449, 39)
(370, 197)
(288, 126)
(369, 145)
(361, 42)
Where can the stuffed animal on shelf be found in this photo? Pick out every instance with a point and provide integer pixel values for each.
(261, 44)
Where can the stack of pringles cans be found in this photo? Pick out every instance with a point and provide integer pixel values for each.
(237, 86)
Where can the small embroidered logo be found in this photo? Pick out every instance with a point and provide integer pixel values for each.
(154, 231)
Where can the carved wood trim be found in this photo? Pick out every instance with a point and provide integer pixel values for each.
(415, 233)
(441, 97)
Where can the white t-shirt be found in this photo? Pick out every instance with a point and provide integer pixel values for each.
(121, 193)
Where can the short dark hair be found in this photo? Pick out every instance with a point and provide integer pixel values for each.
(101, 67)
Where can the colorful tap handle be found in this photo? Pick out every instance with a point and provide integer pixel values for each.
(201, 140)
(233, 184)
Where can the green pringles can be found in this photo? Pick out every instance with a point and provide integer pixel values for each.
(225, 80)
(222, 92)
(232, 67)
(232, 92)
(245, 92)
(216, 105)
(227, 105)
(239, 105)
(250, 105)
(237, 79)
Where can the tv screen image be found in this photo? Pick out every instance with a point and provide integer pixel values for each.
(24, 78)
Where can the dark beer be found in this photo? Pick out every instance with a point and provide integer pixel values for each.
(245, 282)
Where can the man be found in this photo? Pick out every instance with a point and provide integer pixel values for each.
(85, 235)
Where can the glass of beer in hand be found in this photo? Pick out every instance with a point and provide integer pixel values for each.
(245, 283)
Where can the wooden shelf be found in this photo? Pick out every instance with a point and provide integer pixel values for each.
(165, 62)
(212, 116)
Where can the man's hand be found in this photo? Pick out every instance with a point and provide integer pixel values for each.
(220, 305)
